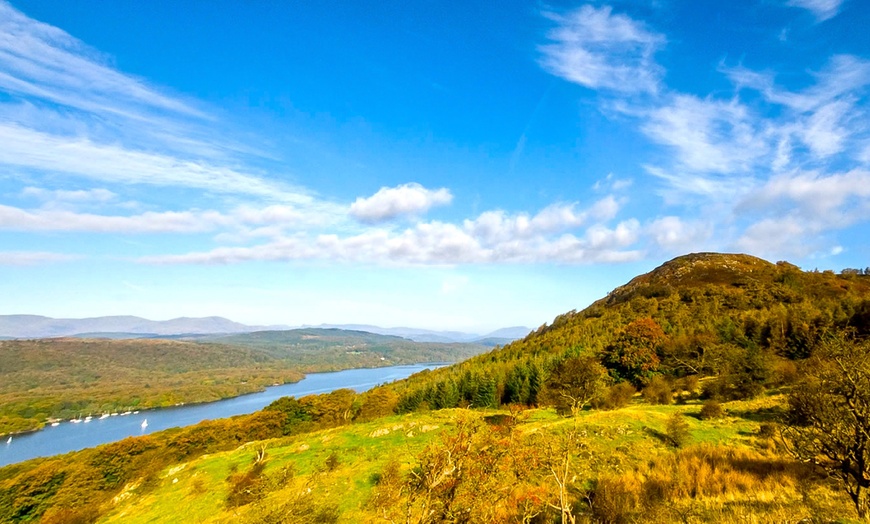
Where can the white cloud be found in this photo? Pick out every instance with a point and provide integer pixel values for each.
(31, 258)
(601, 50)
(819, 196)
(42, 61)
(822, 9)
(782, 236)
(823, 132)
(711, 136)
(53, 197)
(494, 237)
(81, 157)
(497, 226)
(800, 208)
(242, 222)
(392, 202)
(842, 75)
(678, 235)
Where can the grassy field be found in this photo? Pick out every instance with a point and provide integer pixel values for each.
(622, 468)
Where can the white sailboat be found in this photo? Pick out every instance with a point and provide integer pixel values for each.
(145, 423)
(9, 440)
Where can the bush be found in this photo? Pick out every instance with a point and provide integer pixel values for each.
(766, 430)
(712, 409)
(615, 397)
(658, 391)
(246, 487)
(739, 386)
(332, 462)
(677, 430)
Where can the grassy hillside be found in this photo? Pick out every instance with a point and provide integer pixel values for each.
(388, 469)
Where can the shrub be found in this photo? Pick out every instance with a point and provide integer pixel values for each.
(766, 430)
(712, 409)
(246, 487)
(615, 397)
(677, 430)
(658, 391)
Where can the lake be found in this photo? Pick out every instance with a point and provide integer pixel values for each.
(69, 436)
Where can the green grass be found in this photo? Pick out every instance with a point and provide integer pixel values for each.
(619, 439)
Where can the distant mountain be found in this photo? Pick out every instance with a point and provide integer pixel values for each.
(129, 327)
(35, 326)
(510, 333)
(498, 337)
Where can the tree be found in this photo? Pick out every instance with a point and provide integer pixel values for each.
(574, 382)
(634, 354)
(828, 420)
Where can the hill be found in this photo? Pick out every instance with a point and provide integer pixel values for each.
(736, 317)
(503, 335)
(330, 349)
(718, 344)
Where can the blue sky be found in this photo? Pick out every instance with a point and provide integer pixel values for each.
(445, 165)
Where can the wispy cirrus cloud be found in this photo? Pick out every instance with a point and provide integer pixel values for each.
(69, 112)
(32, 258)
(758, 155)
(79, 156)
(821, 9)
(43, 62)
(242, 221)
(599, 49)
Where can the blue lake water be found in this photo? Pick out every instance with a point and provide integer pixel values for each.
(69, 436)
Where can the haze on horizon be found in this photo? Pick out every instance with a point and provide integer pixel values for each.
(465, 167)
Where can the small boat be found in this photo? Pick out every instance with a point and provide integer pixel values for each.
(9, 440)
(88, 419)
(55, 424)
(105, 415)
(145, 423)
(76, 420)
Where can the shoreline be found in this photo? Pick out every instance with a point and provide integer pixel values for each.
(49, 421)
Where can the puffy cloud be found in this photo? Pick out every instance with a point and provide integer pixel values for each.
(392, 202)
(601, 50)
(493, 237)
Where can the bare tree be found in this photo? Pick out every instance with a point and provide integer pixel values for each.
(828, 422)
